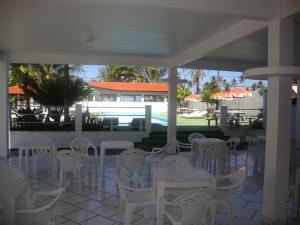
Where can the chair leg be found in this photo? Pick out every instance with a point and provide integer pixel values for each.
(128, 215)
(79, 180)
(236, 161)
(86, 175)
(121, 207)
(246, 163)
(61, 178)
(230, 214)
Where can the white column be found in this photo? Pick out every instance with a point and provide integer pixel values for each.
(78, 119)
(3, 106)
(298, 113)
(223, 117)
(142, 98)
(172, 102)
(148, 115)
(275, 194)
(118, 97)
(265, 108)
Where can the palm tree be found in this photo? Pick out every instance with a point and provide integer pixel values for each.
(234, 83)
(26, 76)
(241, 79)
(197, 76)
(131, 73)
(219, 79)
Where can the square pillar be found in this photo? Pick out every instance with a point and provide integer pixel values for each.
(172, 103)
(278, 139)
(3, 106)
(278, 133)
(297, 136)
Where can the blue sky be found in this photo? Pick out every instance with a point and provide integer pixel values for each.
(91, 72)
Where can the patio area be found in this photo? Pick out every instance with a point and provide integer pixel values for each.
(98, 202)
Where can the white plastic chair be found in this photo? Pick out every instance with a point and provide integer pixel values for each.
(70, 162)
(231, 146)
(132, 161)
(195, 135)
(175, 161)
(181, 145)
(42, 215)
(194, 207)
(82, 146)
(156, 151)
(252, 143)
(132, 198)
(226, 185)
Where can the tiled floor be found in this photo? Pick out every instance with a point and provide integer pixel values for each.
(97, 204)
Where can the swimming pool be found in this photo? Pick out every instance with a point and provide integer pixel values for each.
(126, 117)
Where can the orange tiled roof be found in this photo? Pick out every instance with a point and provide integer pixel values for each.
(133, 86)
(15, 90)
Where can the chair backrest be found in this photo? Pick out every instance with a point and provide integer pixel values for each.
(232, 143)
(82, 146)
(132, 159)
(68, 160)
(197, 207)
(252, 142)
(231, 181)
(175, 161)
(195, 135)
(181, 145)
(126, 183)
(37, 216)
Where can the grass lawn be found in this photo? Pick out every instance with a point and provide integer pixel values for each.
(185, 121)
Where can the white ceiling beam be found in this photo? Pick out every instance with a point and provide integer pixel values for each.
(247, 9)
(87, 59)
(288, 8)
(230, 34)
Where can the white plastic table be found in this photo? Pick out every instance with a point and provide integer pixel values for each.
(179, 178)
(112, 145)
(218, 145)
(11, 189)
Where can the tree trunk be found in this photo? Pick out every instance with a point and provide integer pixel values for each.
(66, 91)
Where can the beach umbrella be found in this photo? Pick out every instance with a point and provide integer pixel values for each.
(222, 95)
(192, 98)
(230, 95)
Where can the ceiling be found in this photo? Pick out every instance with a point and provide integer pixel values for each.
(52, 28)
(89, 30)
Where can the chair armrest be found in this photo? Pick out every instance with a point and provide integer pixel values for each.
(157, 150)
(138, 189)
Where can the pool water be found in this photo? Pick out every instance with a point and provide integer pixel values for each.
(126, 117)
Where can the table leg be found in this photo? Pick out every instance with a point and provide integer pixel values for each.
(102, 154)
(20, 156)
(9, 212)
(26, 161)
(159, 205)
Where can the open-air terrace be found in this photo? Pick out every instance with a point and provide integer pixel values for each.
(98, 201)
(257, 38)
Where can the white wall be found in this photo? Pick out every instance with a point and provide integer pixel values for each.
(157, 107)
(62, 139)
